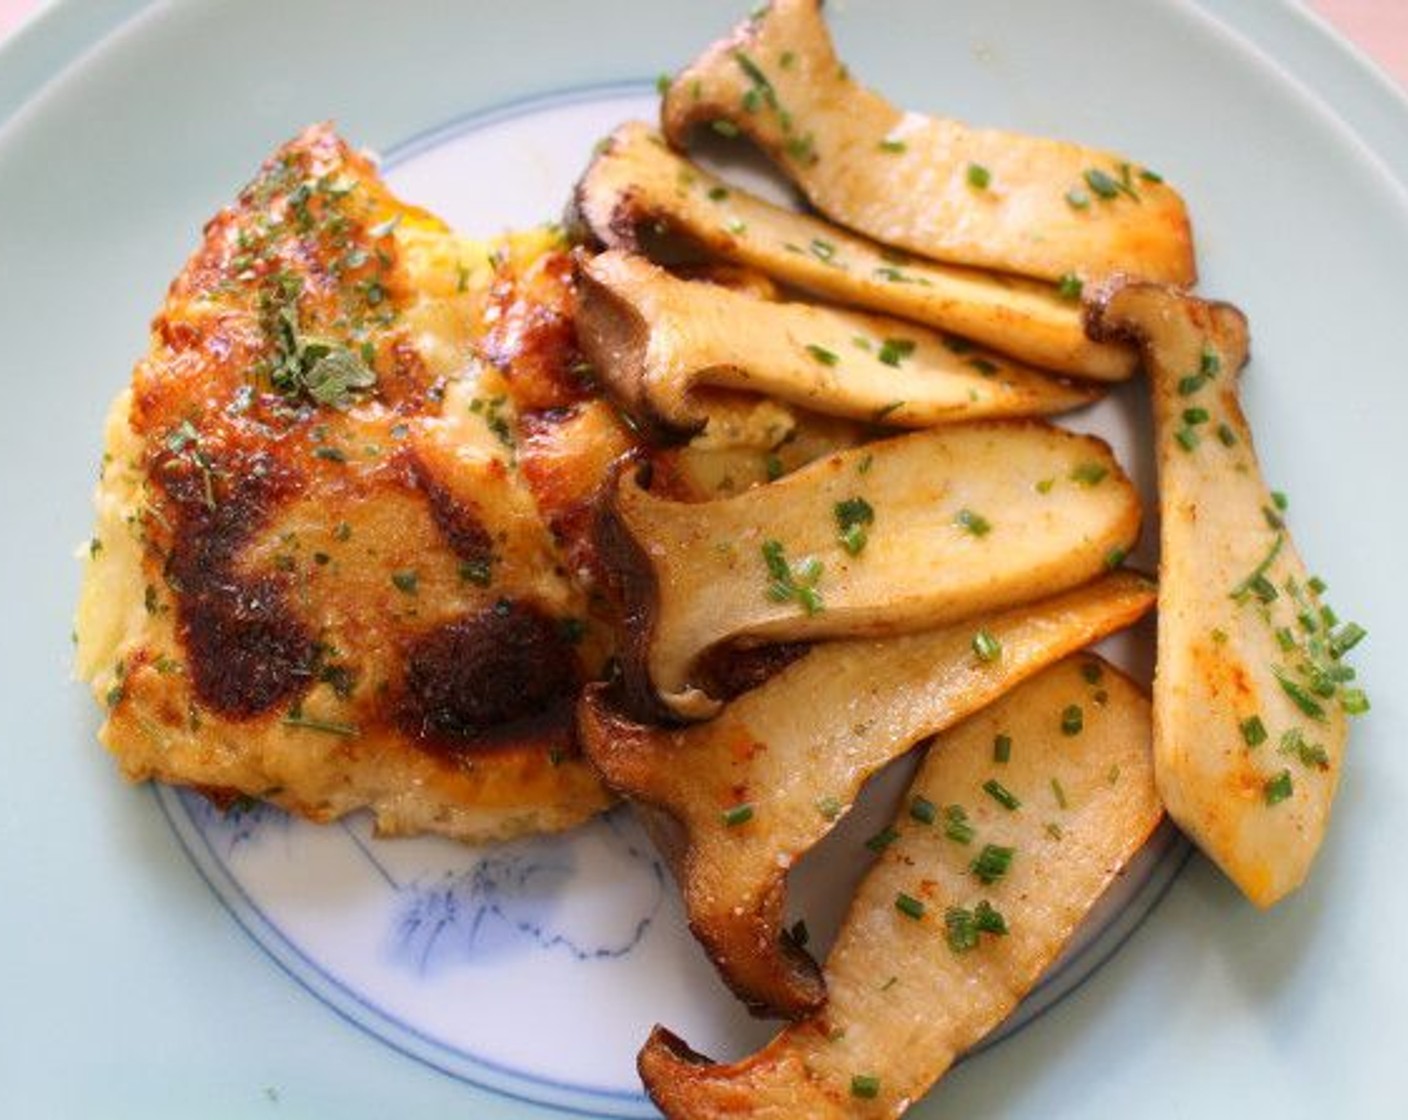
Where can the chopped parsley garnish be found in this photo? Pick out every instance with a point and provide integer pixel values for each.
(909, 906)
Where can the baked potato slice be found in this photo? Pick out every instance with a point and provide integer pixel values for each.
(734, 802)
(654, 340)
(944, 937)
(979, 197)
(1251, 693)
(895, 536)
(638, 195)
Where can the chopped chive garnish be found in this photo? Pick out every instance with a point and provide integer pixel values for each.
(1091, 672)
(986, 647)
(1346, 638)
(406, 581)
(772, 466)
(1089, 473)
(822, 354)
(724, 128)
(960, 931)
(1077, 199)
(1192, 416)
(1209, 364)
(1187, 438)
(979, 177)
(852, 517)
(1070, 286)
(883, 839)
(865, 1085)
(983, 366)
(1226, 436)
(988, 919)
(1002, 748)
(1058, 791)
(1102, 184)
(993, 863)
(828, 807)
(1115, 557)
(1354, 701)
(1072, 720)
(1279, 788)
(1001, 794)
(892, 146)
(974, 523)
(923, 810)
(1054, 830)
(1317, 585)
(956, 826)
(662, 84)
(895, 350)
(718, 194)
(909, 906)
(1150, 176)
(1300, 697)
(1259, 572)
(736, 815)
(327, 726)
(1253, 731)
(822, 250)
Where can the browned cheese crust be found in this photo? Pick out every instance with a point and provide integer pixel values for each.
(341, 517)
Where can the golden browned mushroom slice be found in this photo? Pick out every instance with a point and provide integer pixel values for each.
(982, 197)
(992, 865)
(654, 339)
(1251, 691)
(887, 538)
(637, 192)
(733, 803)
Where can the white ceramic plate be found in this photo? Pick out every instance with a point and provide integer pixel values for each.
(323, 971)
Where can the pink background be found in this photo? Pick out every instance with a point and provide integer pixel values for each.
(1378, 27)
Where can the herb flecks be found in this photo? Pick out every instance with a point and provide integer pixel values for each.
(792, 582)
(854, 516)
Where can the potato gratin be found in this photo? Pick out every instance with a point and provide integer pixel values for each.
(320, 575)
